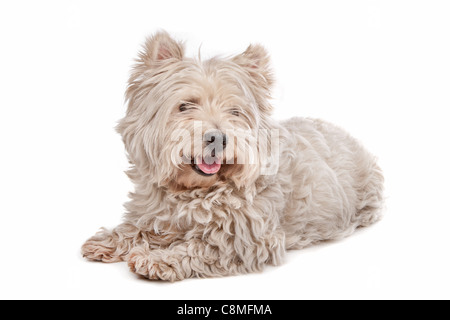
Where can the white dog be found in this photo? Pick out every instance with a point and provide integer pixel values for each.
(207, 205)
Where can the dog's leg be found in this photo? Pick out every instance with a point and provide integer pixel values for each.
(196, 258)
(370, 196)
(111, 245)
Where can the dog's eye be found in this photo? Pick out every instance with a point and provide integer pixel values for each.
(235, 112)
(183, 107)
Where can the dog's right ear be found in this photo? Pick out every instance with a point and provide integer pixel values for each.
(160, 48)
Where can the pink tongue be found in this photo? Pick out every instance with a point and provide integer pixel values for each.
(209, 168)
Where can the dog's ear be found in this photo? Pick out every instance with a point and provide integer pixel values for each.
(161, 48)
(256, 61)
(158, 50)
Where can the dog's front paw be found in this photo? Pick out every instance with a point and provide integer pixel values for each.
(151, 265)
(101, 247)
(96, 251)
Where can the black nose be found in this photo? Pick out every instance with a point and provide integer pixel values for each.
(214, 136)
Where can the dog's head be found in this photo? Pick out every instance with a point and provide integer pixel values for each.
(192, 123)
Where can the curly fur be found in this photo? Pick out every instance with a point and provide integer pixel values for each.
(180, 224)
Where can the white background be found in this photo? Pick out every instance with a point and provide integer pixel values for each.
(380, 69)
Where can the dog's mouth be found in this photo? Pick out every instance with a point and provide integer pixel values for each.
(207, 167)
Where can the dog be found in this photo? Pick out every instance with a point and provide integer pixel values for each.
(209, 199)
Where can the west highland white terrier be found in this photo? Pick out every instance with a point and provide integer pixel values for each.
(221, 188)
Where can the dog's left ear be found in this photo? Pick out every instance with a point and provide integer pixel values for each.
(256, 61)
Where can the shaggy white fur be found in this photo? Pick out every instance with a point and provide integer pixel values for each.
(188, 219)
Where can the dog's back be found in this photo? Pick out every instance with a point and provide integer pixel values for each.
(336, 185)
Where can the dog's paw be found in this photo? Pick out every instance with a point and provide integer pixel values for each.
(96, 249)
(150, 264)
